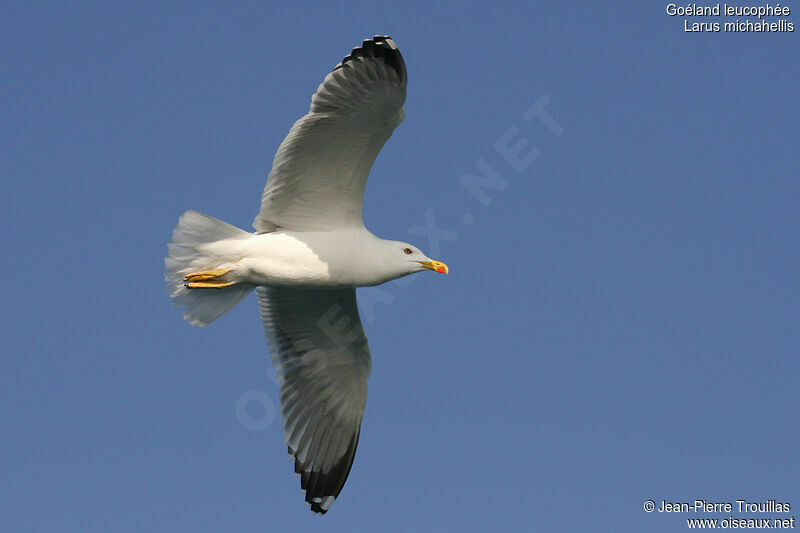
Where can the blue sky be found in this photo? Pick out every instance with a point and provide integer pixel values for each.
(619, 324)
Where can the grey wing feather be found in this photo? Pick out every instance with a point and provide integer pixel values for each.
(322, 361)
(320, 170)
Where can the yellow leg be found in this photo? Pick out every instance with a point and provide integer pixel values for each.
(207, 279)
(206, 275)
(214, 284)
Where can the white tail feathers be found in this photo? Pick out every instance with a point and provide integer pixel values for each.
(188, 252)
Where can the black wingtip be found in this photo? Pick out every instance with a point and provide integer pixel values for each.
(380, 46)
(322, 488)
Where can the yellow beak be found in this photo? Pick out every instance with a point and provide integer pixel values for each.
(436, 266)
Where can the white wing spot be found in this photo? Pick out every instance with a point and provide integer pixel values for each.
(326, 504)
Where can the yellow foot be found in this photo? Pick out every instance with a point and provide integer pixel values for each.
(207, 279)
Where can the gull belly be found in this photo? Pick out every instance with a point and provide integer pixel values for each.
(279, 259)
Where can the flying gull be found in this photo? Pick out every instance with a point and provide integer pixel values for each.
(309, 252)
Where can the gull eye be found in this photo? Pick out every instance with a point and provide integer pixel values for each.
(408, 251)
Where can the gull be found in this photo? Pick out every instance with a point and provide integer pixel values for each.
(308, 254)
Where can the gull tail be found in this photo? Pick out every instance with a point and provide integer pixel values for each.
(198, 244)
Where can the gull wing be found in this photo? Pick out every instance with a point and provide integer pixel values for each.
(322, 361)
(320, 170)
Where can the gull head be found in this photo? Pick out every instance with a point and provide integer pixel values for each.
(403, 259)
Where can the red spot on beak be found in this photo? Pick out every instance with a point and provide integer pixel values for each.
(440, 270)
